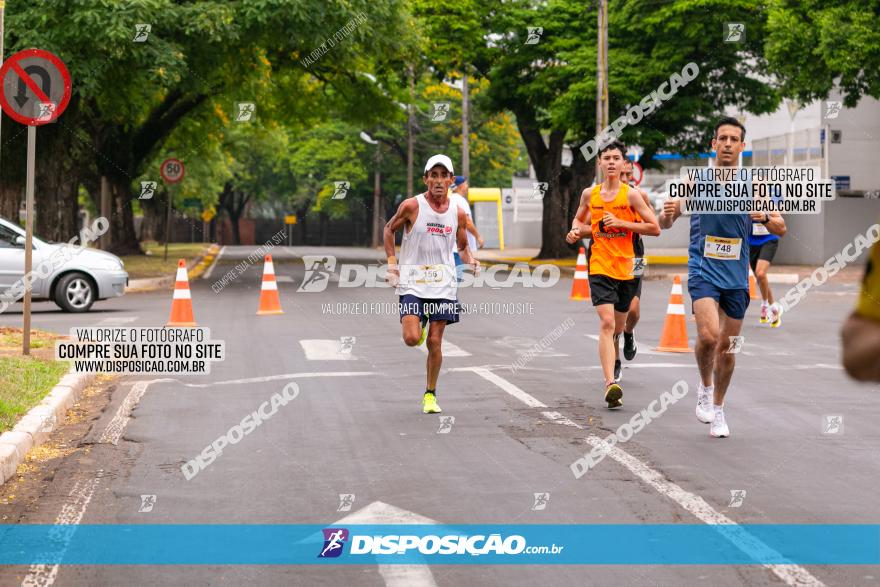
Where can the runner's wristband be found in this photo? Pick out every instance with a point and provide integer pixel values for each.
(392, 260)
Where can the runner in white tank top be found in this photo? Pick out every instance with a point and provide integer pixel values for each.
(425, 276)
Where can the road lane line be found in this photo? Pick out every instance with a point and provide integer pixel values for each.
(448, 349)
(117, 321)
(325, 349)
(790, 574)
(506, 385)
(43, 575)
(207, 274)
(794, 575)
(113, 432)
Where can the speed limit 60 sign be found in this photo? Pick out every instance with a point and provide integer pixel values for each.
(172, 170)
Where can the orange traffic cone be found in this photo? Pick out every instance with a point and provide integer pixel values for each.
(269, 302)
(753, 286)
(580, 287)
(181, 303)
(674, 338)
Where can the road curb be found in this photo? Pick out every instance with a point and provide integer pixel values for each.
(199, 266)
(34, 428)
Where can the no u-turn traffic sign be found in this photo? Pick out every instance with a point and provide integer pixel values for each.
(36, 87)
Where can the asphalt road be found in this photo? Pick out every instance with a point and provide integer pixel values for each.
(356, 427)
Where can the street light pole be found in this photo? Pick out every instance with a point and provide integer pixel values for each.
(602, 74)
(465, 129)
(409, 135)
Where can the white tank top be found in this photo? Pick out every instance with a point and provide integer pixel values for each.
(427, 267)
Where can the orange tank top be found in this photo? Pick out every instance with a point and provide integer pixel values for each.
(611, 252)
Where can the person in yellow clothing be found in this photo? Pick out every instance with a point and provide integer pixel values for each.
(861, 332)
(609, 213)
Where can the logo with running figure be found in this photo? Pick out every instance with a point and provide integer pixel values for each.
(832, 424)
(319, 268)
(541, 501)
(539, 189)
(734, 32)
(736, 344)
(440, 111)
(832, 109)
(346, 500)
(737, 496)
(340, 189)
(534, 35)
(334, 542)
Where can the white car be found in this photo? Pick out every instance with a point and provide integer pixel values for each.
(73, 277)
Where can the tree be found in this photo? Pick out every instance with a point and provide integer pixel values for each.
(813, 45)
(129, 97)
(550, 85)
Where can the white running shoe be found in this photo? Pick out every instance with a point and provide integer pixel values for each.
(705, 414)
(719, 427)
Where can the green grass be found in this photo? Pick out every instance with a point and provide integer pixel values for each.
(11, 337)
(24, 382)
(152, 265)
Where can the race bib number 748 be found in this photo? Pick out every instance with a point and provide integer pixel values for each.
(725, 249)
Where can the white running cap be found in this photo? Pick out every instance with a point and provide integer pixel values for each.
(439, 160)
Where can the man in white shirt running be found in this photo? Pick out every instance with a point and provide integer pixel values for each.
(425, 275)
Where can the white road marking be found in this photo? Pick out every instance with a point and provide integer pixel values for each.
(642, 349)
(507, 386)
(113, 432)
(448, 349)
(325, 349)
(791, 574)
(71, 514)
(117, 321)
(207, 274)
(524, 344)
(560, 419)
(696, 505)
(381, 514)
(284, 279)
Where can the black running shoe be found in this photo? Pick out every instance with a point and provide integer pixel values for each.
(629, 345)
(617, 369)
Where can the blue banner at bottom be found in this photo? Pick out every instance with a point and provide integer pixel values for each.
(585, 544)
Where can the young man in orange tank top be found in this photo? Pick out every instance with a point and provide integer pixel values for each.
(609, 213)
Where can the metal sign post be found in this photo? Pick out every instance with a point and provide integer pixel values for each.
(172, 171)
(35, 91)
(29, 237)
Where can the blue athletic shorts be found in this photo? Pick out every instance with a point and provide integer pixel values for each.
(438, 310)
(732, 301)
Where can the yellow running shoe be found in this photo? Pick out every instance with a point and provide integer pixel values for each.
(429, 404)
(775, 316)
(614, 395)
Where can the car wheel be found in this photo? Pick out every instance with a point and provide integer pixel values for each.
(75, 292)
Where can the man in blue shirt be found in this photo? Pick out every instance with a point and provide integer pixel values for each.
(718, 282)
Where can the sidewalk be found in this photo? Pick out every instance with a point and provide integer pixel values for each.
(662, 264)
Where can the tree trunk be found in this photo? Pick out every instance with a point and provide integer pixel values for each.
(56, 185)
(124, 241)
(10, 200)
(153, 226)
